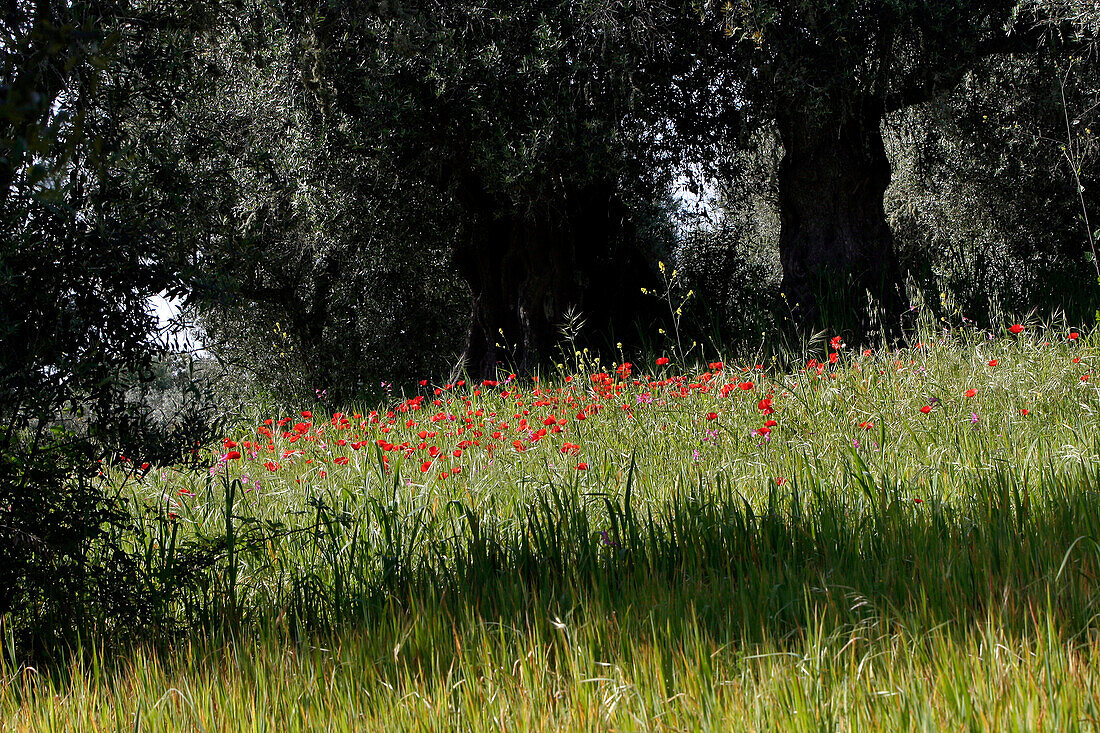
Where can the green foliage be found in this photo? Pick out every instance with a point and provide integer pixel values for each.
(335, 171)
(78, 263)
(859, 55)
(728, 249)
(985, 204)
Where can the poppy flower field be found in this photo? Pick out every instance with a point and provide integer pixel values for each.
(899, 537)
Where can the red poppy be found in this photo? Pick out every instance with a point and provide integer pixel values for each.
(1084, 377)
(229, 443)
(1073, 336)
(835, 342)
(661, 361)
(746, 386)
(1024, 412)
(306, 414)
(833, 356)
(765, 406)
(770, 424)
(992, 362)
(763, 431)
(340, 460)
(1016, 328)
(230, 456)
(971, 392)
(866, 425)
(712, 415)
(926, 409)
(425, 466)
(581, 467)
(717, 365)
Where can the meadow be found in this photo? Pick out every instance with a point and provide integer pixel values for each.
(896, 539)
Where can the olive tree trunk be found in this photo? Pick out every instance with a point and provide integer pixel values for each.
(526, 271)
(835, 244)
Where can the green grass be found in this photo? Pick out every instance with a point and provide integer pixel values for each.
(863, 565)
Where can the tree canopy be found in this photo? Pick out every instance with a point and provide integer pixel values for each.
(826, 75)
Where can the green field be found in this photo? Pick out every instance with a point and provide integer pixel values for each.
(733, 546)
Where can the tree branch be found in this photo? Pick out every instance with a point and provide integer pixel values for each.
(926, 86)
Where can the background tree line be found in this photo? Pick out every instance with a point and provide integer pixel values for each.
(345, 193)
(426, 184)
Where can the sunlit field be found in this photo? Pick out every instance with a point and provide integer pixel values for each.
(901, 539)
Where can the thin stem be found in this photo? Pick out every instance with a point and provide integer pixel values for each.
(1074, 166)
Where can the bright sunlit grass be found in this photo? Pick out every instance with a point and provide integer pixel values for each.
(903, 539)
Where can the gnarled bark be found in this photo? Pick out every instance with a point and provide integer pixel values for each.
(835, 244)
